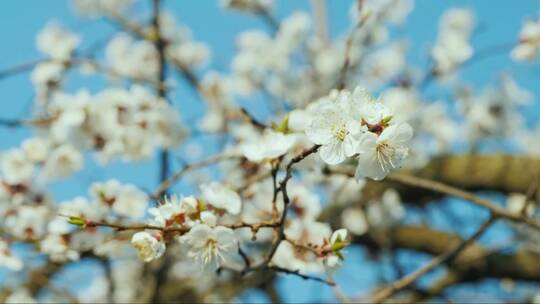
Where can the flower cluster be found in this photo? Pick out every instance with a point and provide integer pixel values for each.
(59, 45)
(528, 47)
(453, 47)
(280, 186)
(201, 218)
(116, 123)
(139, 59)
(355, 124)
(495, 111)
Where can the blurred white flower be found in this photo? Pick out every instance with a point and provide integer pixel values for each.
(271, 145)
(149, 246)
(36, 148)
(57, 42)
(16, 166)
(516, 202)
(57, 247)
(354, 220)
(305, 203)
(453, 47)
(384, 65)
(27, 222)
(48, 73)
(221, 197)
(386, 212)
(138, 59)
(528, 47)
(62, 162)
(124, 199)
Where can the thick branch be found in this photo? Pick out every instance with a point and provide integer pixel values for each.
(473, 263)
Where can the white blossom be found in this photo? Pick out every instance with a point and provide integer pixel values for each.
(124, 199)
(48, 73)
(221, 197)
(28, 222)
(132, 58)
(175, 211)
(386, 212)
(36, 148)
(16, 166)
(335, 130)
(354, 220)
(209, 246)
(271, 145)
(515, 203)
(453, 47)
(62, 162)
(528, 47)
(149, 246)
(383, 153)
(57, 42)
(57, 247)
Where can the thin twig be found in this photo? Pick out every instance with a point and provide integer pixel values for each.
(20, 68)
(447, 257)
(427, 184)
(286, 202)
(267, 17)
(303, 276)
(182, 229)
(348, 46)
(160, 44)
(11, 123)
(255, 122)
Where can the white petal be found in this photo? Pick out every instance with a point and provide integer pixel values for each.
(199, 233)
(341, 233)
(333, 153)
(225, 235)
(369, 166)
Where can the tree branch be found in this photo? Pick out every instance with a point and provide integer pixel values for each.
(447, 257)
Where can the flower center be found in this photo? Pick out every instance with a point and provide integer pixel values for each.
(385, 153)
(210, 250)
(143, 249)
(340, 133)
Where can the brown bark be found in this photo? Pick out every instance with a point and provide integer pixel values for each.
(492, 172)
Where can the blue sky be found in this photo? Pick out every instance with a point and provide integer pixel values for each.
(499, 23)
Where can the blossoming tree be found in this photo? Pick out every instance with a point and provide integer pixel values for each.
(351, 153)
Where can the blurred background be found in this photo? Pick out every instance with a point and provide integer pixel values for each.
(498, 26)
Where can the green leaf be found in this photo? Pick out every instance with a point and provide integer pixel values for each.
(78, 221)
(283, 126)
(385, 121)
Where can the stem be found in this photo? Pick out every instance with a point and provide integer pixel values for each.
(321, 20)
(161, 91)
